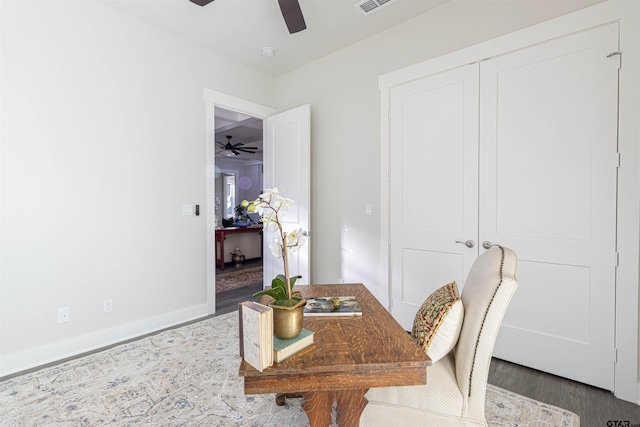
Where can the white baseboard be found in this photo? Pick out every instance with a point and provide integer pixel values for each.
(50, 353)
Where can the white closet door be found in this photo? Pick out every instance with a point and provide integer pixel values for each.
(548, 167)
(434, 172)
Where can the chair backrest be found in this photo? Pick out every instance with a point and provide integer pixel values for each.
(485, 296)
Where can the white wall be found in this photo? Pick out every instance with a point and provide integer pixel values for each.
(103, 140)
(345, 157)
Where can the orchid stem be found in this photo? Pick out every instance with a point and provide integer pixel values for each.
(286, 265)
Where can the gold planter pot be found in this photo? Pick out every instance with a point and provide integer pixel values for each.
(287, 321)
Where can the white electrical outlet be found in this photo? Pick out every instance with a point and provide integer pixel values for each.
(107, 305)
(64, 315)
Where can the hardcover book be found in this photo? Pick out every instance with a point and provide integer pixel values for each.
(332, 306)
(256, 332)
(283, 349)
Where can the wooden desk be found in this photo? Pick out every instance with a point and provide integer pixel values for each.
(350, 355)
(221, 235)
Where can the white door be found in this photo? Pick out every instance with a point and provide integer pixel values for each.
(287, 147)
(548, 170)
(434, 197)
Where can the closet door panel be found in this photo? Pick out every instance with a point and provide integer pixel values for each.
(433, 185)
(548, 167)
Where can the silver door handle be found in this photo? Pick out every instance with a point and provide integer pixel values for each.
(488, 245)
(468, 243)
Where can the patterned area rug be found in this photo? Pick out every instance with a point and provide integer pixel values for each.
(187, 377)
(238, 279)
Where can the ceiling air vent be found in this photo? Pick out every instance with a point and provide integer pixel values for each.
(369, 6)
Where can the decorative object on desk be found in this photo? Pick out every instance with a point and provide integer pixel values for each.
(437, 324)
(242, 218)
(332, 306)
(255, 323)
(237, 258)
(289, 308)
(282, 349)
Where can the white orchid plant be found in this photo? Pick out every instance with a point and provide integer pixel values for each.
(271, 205)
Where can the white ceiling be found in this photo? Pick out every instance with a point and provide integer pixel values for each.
(239, 29)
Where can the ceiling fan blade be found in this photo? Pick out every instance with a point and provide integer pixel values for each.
(248, 150)
(201, 2)
(234, 151)
(292, 15)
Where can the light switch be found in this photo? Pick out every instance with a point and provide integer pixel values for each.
(368, 210)
(187, 209)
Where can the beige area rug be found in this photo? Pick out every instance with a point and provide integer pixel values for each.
(187, 377)
(238, 279)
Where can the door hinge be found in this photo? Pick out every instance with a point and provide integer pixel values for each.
(615, 355)
(617, 160)
(617, 259)
(389, 113)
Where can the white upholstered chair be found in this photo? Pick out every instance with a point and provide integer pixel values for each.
(456, 385)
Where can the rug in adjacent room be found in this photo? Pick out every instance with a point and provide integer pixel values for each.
(238, 279)
(188, 376)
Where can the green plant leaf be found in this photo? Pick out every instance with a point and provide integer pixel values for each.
(278, 289)
(273, 293)
(293, 279)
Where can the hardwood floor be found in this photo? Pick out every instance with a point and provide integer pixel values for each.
(228, 301)
(596, 407)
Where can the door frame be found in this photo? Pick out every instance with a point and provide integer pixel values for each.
(627, 14)
(214, 99)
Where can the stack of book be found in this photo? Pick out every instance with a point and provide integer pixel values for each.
(283, 349)
(258, 346)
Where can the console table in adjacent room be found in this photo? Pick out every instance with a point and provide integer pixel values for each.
(221, 235)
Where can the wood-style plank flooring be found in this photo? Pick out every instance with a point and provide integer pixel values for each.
(228, 301)
(596, 407)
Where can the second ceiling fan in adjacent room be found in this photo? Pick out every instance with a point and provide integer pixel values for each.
(235, 148)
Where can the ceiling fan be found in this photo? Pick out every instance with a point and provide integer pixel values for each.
(236, 148)
(290, 9)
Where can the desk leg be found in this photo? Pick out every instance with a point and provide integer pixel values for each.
(318, 406)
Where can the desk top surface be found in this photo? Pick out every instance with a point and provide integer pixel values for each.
(371, 350)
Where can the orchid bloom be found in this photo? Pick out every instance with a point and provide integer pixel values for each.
(270, 205)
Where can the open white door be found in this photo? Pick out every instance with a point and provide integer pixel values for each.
(287, 164)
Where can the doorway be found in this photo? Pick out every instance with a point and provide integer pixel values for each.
(238, 165)
(287, 148)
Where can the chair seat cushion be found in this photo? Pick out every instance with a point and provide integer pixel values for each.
(437, 324)
(440, 397)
